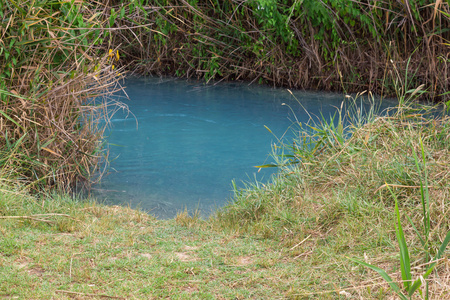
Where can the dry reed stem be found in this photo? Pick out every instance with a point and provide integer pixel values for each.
(87, 294)
(51, 126)
(229, 37)
(33, 217)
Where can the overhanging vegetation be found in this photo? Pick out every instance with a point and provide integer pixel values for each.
(329, 45)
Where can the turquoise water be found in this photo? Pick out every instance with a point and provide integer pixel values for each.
(183, 142)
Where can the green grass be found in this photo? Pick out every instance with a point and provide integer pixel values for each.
(121, 252)
(358, 193)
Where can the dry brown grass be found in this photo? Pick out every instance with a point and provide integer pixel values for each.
(228, 41)
(50, 124)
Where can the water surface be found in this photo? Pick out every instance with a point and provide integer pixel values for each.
(183, 142)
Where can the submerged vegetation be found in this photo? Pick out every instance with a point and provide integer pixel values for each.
(360, 207)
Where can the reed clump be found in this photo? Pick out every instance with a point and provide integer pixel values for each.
(56, 79)
(328, 45)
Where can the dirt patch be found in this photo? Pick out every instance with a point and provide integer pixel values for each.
(183, 256)
(146, 255)
(187, 248)
(244, 260)
(24, 263)
(36, 271)
(190, 289)
(112, 258)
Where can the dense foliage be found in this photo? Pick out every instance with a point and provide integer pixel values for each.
(330, 44)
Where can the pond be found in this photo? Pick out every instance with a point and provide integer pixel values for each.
(182, 142)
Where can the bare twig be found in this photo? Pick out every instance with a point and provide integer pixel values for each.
(399, 185)
(300, 242)
(34, 217)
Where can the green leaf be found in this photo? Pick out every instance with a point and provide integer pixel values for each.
(414, 286)
(425, 198)
(443, 246)
(267, 166)
(18, 142)
(439, 254)
(11, 119)
(385, 276)
(112, 17)
(441, 251)
(268, 129)
(417, 231)
(405, 264)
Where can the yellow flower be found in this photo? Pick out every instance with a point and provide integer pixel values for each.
(110, 54)
(117, 55)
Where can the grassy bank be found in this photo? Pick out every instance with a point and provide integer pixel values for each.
(95, 252)
(378, 192)
(293, 238)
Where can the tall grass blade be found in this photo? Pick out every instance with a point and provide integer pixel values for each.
(404, 253)
(422, 241)
(11, 119)
(267, 166)
(424, 195)
(439, 254)
(418, 282)
(385, 276)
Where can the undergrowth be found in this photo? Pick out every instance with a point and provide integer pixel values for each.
(328, 45)
(55, 57)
